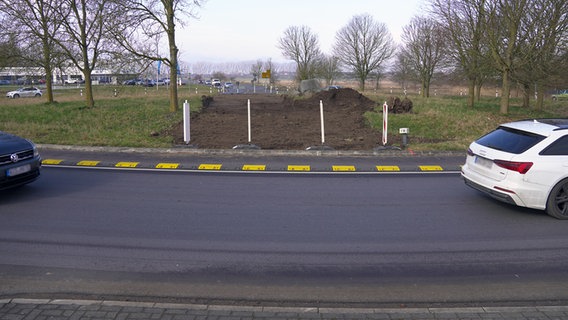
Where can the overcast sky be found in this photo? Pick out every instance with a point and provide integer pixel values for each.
(249, 30)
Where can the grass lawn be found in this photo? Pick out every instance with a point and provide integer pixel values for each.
(140, 117)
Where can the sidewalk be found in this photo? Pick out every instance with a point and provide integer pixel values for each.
(39, 309)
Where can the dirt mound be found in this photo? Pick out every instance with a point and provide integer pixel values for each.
(348, 98)
(282, 122)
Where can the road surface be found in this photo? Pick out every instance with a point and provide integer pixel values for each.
(349, 239)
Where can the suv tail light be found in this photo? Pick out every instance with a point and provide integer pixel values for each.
(520, 167)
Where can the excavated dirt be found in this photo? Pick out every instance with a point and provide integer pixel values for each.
(284, 123)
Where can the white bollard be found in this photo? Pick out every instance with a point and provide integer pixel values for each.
(385, 122)
(249, 127)
(186, 122)
(322, 124)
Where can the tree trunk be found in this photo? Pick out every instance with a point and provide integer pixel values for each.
(89, 99)
(362, 84)
(174, 67)
(506, 91)
(48, 69)
(526, 95)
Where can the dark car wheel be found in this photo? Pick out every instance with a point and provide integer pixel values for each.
(16, 96)
(38, 95)
(557, 204)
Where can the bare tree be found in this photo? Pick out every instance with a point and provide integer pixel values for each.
(464, 22)
(141, 26)
(269, 66)
(83, 35)
(545, 41)
(10, 51)
(329, 69)
(256, 70)
(302, 46)
(504, 34)
(403, 71)
(38, 20)
(363, 45)
(424, 46)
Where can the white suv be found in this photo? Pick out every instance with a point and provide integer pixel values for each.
(524, 163)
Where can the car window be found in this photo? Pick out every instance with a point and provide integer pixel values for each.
(510, 140)
(557, 148)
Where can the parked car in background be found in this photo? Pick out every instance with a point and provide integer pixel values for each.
(560, 95)
(148, 83)
(228, 84)
(20, 161)
(24, 92)
(73, 81)
(524, 163)
(4, 82)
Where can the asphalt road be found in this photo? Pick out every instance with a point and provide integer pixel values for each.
(350, 239)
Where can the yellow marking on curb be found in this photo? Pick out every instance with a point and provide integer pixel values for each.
(51, 161)
(343, 168)
(254, 167)
(388, 168)
(127, 164)
(431, 168)
(167, 165)
(207, 166)
(88, 163)
(298, 168)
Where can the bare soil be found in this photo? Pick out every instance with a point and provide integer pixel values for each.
(284, 123)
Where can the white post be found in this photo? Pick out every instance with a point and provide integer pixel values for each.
(186, 122)
(322, 126)
(249, 130)
(385, 122)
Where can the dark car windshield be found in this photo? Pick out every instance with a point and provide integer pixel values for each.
(510, 140)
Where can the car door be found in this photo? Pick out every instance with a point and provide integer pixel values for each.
(28, 92)
(552, 165)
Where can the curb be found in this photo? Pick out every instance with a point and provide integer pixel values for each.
(254, 152)
(298, 310)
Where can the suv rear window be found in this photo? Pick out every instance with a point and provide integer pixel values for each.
(510, 140)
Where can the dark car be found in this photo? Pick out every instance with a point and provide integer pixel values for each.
(20, 161)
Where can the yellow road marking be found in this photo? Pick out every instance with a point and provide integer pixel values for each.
(343, 168)
(254, 167)
(51, 161)
(298, 168)
(167, 165)
(431, 168)
(88, 163)
(206, 166)
(127, 164)
(388, 168)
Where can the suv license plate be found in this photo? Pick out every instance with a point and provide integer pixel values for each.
(18, 170)
(483, 162)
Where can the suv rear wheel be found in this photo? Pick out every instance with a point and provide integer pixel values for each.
(557, 204)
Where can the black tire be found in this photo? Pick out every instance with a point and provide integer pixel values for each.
(557, 204)
(16, 96)
(38, 95)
